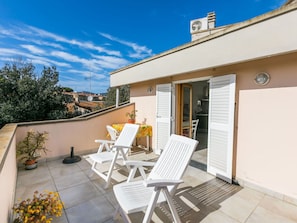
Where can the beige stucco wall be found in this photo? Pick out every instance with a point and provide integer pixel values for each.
(8, 172)
(265, 118)
(266, 145)
(79, 133)
(266, 150)
(144, 97)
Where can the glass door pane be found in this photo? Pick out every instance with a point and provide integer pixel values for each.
(186, 110)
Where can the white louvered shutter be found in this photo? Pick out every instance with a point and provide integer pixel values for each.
(221, 125)
(163, 119)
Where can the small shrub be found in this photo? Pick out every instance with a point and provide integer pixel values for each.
(40, 209)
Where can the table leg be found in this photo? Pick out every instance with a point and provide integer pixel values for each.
(148, 143)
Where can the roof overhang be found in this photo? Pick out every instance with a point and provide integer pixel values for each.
(264, 36)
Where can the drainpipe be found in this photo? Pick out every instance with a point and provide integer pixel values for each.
(117, 97)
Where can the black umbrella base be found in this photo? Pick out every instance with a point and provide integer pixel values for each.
(72, 159)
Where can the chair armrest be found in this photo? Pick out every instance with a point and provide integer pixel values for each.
(120, 147)
(138, 163)
(161, 183)
(103, 141)
(104, 144)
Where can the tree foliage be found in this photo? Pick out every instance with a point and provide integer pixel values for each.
(124, 95)
(67, 89)
(24, 96)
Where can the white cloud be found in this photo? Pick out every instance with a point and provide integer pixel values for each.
(13, 53)
(87, 63)
(87, 74)
(111, 62)
(28, 33)
(33, 49)
(81, 72)
(86, 45)
(46, 43)
(85, 85)
(140, 52)
(82, 59)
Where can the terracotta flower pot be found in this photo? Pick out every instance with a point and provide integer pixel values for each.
(132, 121)
(30, 164)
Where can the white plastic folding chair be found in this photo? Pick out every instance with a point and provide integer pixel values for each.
(194, 128)
(117, 151)
(113, 133)
(106, 144)
(166, 175)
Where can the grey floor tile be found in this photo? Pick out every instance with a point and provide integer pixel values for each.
(81, 193)
(241, 205)
(87, 201)
(117, 220)
(55, 163)
(280, 207)
(24, 192)
(265, 216)
(95, 210)
(219, 217)
(64, 170)
(27, 177)
(91, 174)
(31, 179)
(83, 164)
(61, 219)
(70, 180)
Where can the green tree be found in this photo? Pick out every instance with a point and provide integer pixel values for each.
(67, 89)
(124, 95)
(26, 97)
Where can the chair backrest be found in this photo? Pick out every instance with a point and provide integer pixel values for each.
(127, 136)
(194, 128)
(113, 133)
(174, 159)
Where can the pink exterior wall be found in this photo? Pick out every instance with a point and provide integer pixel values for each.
(266, 144)
(8, 172)
(79, 133)
(145, 103)
(266, 149)
(265, 122)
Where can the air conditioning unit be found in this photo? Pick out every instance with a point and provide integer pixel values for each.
(199, 25)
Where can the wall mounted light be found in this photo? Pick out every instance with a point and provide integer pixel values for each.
(149, 89)
(262, 78)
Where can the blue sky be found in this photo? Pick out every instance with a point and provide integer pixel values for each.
(86, 40)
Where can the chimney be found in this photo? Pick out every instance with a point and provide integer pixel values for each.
(211, 17)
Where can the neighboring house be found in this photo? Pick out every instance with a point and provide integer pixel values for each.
(84, 102)
(251, 126)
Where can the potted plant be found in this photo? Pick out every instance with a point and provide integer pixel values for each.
(30, 147)
(132, 116)
(40, 208)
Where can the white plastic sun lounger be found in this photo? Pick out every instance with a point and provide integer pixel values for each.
(165, 176)
(117, 151)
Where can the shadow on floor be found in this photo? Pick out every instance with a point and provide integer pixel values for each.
(195, 203)
(198, 165)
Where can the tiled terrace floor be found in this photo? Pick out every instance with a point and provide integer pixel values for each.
(86, 200)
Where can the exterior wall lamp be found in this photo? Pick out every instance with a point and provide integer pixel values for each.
(262, 78)
(149, 89)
